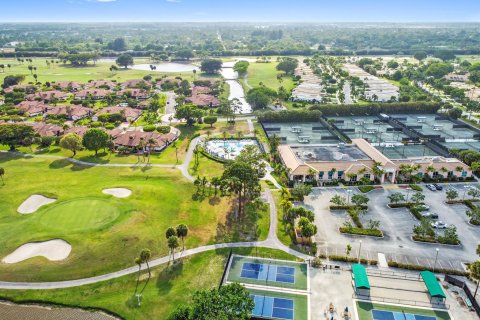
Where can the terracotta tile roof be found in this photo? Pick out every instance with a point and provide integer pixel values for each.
(46, 129)
(32, 107)
(133, 83)
(133, 138)
(129, 112)
(204, 100)
(101, 83)
(48, 95)
(78, 130)
(93, 92)
(71, 111)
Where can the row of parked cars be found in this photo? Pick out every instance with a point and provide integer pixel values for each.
(434, 187)
(430, 215)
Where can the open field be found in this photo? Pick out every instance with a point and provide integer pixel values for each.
(102, 240)
(61, 72)
(266, 73)
(169, 287)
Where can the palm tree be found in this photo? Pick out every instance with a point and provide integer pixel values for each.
(215, 182)
(474, 269)
(170, 232)
(430, 169)
(285, 193)
(138, 261)
(2, 173)
(286, 206)
(173, 244)
(182, 231)
(145, 255)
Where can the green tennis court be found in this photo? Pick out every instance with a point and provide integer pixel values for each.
(279, 305)
(267, 272)
(375, 311)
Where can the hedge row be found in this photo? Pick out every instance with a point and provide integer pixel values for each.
(441, 240)
(289, 116)
(411, 206)
(468, 203)
(352, 259)
(415, 187)
(366, 189)
(376, 108)
(347, 206)
(362, 231)
(417, 267)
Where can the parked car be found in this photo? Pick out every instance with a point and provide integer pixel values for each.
(438, 187)
(423, 207)
(430, 215)
(431, 187)
(439, 225)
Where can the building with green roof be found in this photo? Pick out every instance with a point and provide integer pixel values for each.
(435, 291)
(360, 279)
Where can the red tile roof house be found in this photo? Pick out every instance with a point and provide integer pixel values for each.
(78, 130)
(71, 112)
(138, 94)
(49, 95)
(95, 94)
(199, 89)
(134, 83)
(29, 88)
(203, 100)
(46, 129)
(132, 139)
(70, 86)
(104, 84)
(128, 113)
(159, 83)
(33, 108)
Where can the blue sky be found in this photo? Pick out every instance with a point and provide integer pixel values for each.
(241, 10)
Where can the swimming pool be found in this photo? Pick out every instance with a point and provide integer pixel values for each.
(227, 149)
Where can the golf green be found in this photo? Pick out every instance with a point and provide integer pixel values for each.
(80, 214)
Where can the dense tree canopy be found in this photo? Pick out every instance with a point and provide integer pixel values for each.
(211, 65)
(14, 135)
(124, 60)
(95, 139)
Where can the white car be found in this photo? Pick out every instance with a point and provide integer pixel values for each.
(439, 225)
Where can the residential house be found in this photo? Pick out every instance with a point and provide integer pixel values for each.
(95, 94)
(71, 112)
(69, 86)
(48, 96)
(135, 140)
(103, 84)
(33, 108)
(138, 94)
(128, 113)
(135, 83)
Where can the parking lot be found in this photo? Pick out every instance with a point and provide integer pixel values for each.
(397, 225)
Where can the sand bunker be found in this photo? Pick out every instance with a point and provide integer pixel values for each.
(118, 192)
(33, 203)
(53, 250)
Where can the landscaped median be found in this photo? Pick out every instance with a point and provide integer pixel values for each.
(473, 213)
(355, 209)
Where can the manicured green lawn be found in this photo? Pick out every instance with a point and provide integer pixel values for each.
(364, 310)
(98, 71)
(266, 73)
(206, 167)
(79, 214)
(169, 287)
(105, 235)
(283, 236)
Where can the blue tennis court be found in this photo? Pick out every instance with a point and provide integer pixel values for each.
(390, 315)
(270, 272)
(274, 308)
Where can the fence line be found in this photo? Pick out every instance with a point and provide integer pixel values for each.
(463, 285)
(401, 301)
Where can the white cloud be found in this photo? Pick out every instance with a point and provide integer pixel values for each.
(174, 1)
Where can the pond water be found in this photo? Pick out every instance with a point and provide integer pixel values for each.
(227, 149)
(166, 67)
(236, 89)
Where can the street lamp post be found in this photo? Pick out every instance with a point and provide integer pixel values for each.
(465, 188)
(349, 192)
(359, 249)
(408, 194)
(436, 257)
